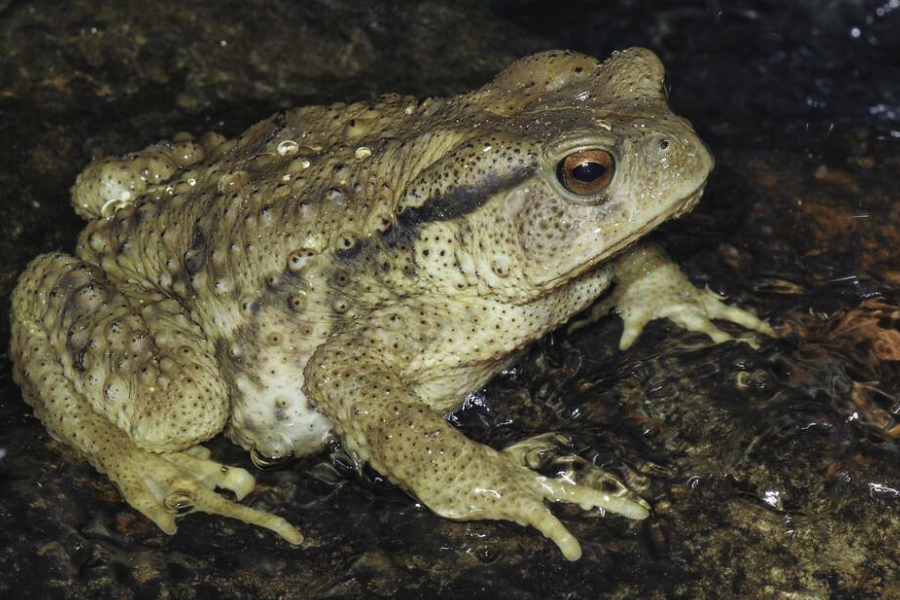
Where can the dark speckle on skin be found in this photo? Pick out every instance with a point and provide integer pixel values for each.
(461, 200)
(350, 253)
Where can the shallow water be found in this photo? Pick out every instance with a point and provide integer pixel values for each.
(772, 472)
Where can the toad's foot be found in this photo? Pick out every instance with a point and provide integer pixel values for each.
(553, 452)
(498, 487)
(650, 286)
(166, 486)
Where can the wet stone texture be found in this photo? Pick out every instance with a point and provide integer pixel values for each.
(773, 473)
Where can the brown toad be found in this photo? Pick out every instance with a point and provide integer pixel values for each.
(358, 269)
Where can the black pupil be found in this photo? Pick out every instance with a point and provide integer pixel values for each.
(588, 172)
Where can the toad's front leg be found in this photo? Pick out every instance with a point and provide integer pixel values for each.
(382, 420)
(648, 286)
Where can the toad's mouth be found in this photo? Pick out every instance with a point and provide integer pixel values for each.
(677, 208)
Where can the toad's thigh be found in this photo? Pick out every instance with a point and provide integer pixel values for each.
(133, 355)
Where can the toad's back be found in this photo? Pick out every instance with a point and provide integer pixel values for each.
(274, 240)
(221, 222)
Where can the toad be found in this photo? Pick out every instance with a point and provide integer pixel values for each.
(356, 270)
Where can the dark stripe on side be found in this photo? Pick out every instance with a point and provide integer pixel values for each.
(455, 203)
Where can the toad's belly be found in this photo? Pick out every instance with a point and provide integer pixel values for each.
(270, 414)
(272, 417)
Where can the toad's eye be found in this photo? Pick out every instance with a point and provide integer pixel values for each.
(586, 172)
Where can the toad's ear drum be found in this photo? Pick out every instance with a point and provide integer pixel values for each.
(636, 73)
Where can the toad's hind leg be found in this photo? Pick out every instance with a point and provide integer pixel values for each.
(132, 384)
